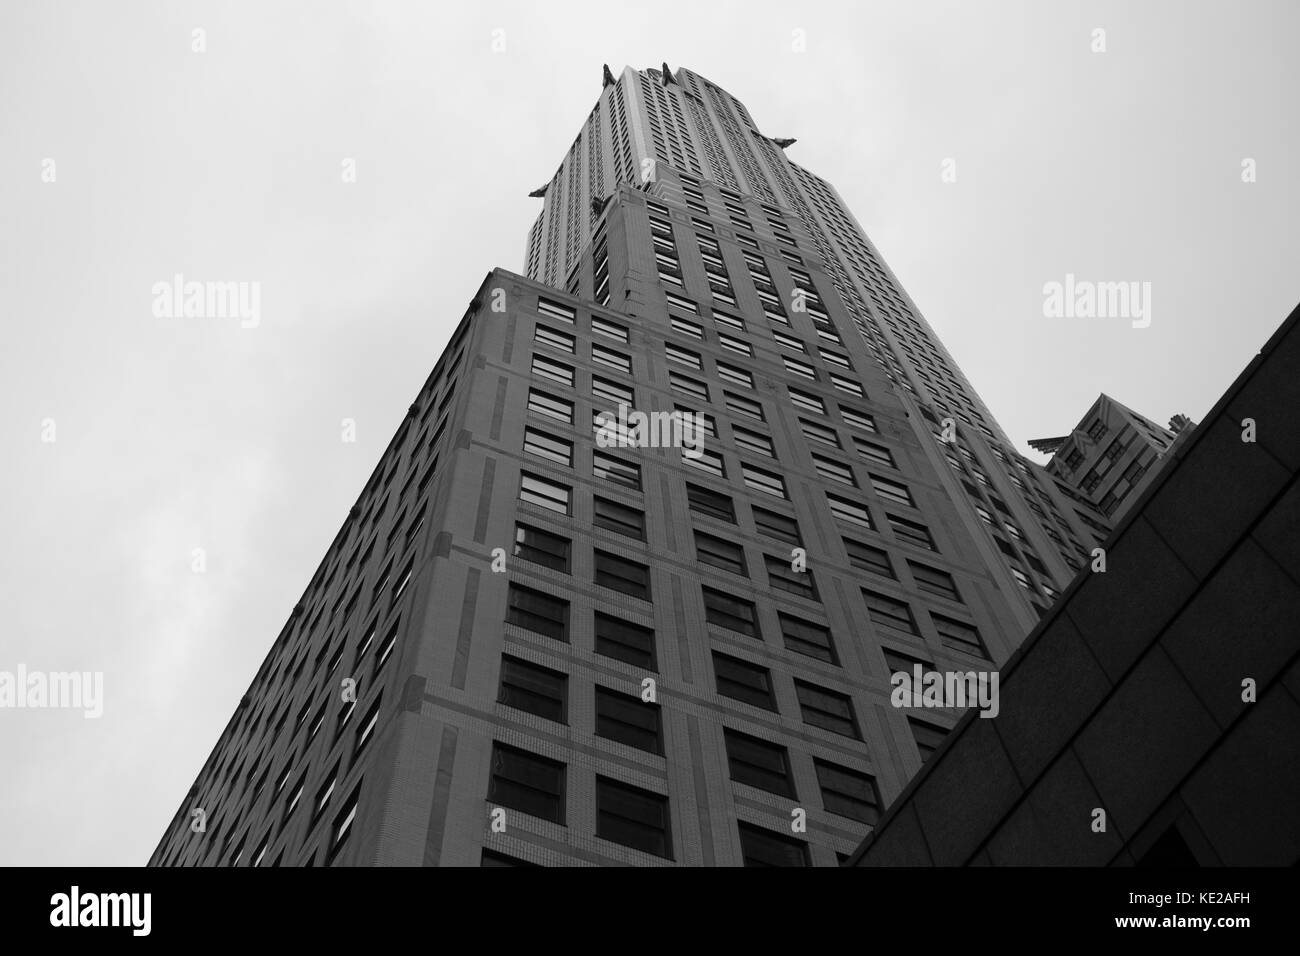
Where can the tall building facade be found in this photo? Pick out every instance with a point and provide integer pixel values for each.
(529, 646)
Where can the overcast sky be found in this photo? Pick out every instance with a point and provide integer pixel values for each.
(176, 434)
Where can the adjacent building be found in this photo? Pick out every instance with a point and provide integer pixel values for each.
(1112, 453)
(1152, 718)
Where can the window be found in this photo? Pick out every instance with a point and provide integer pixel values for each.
(747, 440)
(342, 827)
(624, 641)
(783, 577)
(827, 709)
(858, 419)
(934, 581)
(886, 611)
(616, 471)
(535, 689)
(834, 471)
(788, 341)
(835, 358)
(556, 311)
(682, 327)
(548, 447)
(608, 357)
(628, 720)
(874, 454)
(809, 639)
(686, 305)
(735, 375)
(632, 817)
(848, 511)
(538, 612)
(744, 681)
(688, 386)
(385, 648)
(776, 525)
(805, 400)
(738, 346)
(756, 479)
(799, 368)
(528, 783)
(848, 793)
(619, 518)
(549, 406)
(847, 385)
(733, 613)
(612, 392)
(605, 327)
(869, 558)
(622, 575)
(731, 321)
(758, 763)
(898, 661)
(545, 494)
(761, 847)
(928, 737)
(492, 858)
(324, 793)
(819, 433)
(705, 421)
(675, 353)
(556, 340)
(743, 406)
(913, 532)
(959, 636)
(706, 460)
(892, 491)
(367, 728)
(719, 553)
(555, 371)
(712, 504)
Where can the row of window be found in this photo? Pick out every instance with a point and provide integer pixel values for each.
(641, 819)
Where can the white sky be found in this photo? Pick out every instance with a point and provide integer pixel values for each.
(175, 434)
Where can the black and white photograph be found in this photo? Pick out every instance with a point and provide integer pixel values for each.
(856, 435)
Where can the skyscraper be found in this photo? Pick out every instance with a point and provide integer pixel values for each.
(541, 639)
(1112, 453)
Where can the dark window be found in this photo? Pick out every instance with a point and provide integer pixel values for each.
(538, 612)
(758, 763)
(934, 581)
(526, 782)
(869, 558)
(533, 688)
(632, 817)
(889, 612)
(783, 577)
(928, 737)
(776, 525)
(710, 503)
(342, 827)
(624, 641)
(959, 635)
(827, 709)
(848, 793)
(629, 720)
(898, 661)
(719, 553)
(621, 518)
(493, 858)
(622, 575)
(761, 847)
(743, 681)
(805, 637)
(542, 547)
(730, 612)
(912, 532)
